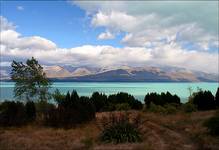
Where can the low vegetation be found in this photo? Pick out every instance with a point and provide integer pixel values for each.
(213, 124)
(120, 128)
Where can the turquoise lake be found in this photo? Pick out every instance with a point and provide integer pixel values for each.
(139, 90)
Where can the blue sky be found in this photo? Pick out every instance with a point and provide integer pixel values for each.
(65, 24)
(137, 33)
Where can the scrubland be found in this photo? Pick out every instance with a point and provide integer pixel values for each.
(179, 131)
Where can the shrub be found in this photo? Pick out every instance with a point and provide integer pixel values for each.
(123, 106)
(43, 108)
(204, 100)
(119, 129)
(189, 107)
(156, 109)
(122, 97)
(213, 125)
(100, 101)
(30, 111)
(167, 109)
(71, 111)
(170, 109)
(161, 99)
(12, 114)
(217, 98)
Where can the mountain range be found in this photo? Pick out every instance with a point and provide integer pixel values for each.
(122, 74)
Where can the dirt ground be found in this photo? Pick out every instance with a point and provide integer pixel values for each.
(160, 132)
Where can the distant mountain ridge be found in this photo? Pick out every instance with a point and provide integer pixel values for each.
(122, 73)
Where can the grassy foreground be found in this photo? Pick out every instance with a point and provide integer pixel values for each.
(179, 131)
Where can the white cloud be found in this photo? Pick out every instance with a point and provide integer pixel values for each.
(146, 23)
(20, 8)
(5, 25)
(14, 46)
(12, 39)
(106, 36)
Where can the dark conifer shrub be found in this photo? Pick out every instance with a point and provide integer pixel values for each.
(100, 101)
(161, 99)
(217, 98)
(71, 111)
(30, 111)
(204, 100)
(12, 114)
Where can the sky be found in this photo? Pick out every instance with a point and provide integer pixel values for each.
(94, 33)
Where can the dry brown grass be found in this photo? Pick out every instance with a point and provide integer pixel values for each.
(161, 132)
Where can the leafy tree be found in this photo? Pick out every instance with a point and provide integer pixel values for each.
(30, 80)
(217, 98)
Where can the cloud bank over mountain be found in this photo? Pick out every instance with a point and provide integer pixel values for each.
(151, 34)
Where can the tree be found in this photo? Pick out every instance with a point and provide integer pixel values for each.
(217, 98)
(30, 81)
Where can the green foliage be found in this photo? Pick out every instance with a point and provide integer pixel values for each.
(189, 107)
(30, 80)
(161, 99)
(58, 96)
(71, 111)
(217, 98)
(30, 111)
(213, 125)
(122, 97)
(43, 108)
(122, 106)
(165, 110)
(119, 129)
(156, 109)
(14, 113)
(204, 100)
(170, 109)
(100, 101)
(113, 101)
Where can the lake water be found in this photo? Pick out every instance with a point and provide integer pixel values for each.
(139, 90)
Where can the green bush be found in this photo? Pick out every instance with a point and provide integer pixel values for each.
(119, 129)
(213, 125)
(71, 111)
(30, 111)
(204, 100)
(156, 109)
(161, 99)
(43, 108)
(189, 107)
(170, 109)
(12, 114)
(123, 106)
(217, 98)
(122, 97)
(100, 101)
(166, 109)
